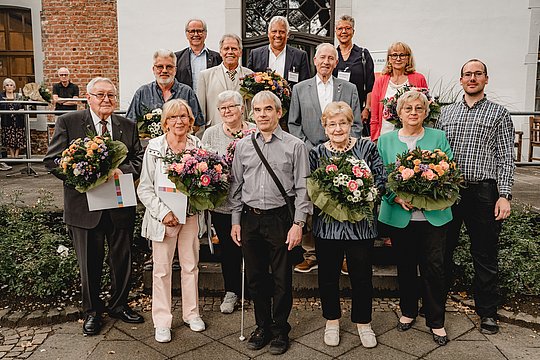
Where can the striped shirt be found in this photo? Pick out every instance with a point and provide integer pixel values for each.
(482, 140)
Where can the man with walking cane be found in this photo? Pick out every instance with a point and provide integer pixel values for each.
(270, 206)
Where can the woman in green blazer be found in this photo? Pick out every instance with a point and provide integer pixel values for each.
(418, 236)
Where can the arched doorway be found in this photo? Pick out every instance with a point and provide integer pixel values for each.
(311, 22)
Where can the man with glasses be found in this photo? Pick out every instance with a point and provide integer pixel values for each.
(481, 134)
(89, 230)
(226, 76)
(64, 89)
(153, 95)
(196, 57)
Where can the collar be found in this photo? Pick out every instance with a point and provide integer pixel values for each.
(202, 51)
(478, 103)
(96, 119)
(278, 55)
(225, 68)
(318, 80)
(69, 83)
(278, 132)
(173, 87)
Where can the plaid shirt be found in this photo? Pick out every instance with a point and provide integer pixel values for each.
(482, 140)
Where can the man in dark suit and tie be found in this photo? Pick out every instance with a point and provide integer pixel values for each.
(90, 229)
(196, 57)
(308, 100)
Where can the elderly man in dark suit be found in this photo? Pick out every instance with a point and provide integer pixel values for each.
(288, 61)
(90, 229)
(309, 98)
(196, 57)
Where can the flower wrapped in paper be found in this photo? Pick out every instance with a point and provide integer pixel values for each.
(343, 189)
(231, 148)
(390, 107)
(267, 80)
(149, 123)
(426, 179)
(89, 162)
(202, 175)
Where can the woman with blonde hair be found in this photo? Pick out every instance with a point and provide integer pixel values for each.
(398, 72)
(162, 227)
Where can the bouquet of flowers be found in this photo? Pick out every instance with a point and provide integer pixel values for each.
(229, 156)
(390, 107)
(344, 189)
(45, 93)
(149, 124)
(203, 176)
(36, 92)
(267, 80)
(89, 162)
(426, 179)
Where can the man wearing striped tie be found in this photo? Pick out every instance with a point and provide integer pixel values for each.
(90, 229)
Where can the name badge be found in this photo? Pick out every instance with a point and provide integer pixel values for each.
(293, 76)
(344, 75)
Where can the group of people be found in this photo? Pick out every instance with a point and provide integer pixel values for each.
(268, 206)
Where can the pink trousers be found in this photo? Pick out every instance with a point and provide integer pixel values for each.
(186, 236)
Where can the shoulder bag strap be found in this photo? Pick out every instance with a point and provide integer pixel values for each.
(273, 175)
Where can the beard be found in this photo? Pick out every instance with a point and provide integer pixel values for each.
(167, 81)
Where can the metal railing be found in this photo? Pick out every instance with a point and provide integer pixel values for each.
(29, 159)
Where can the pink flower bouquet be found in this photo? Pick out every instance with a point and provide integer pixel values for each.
(390, 107)
(426, 179)
(202, 175)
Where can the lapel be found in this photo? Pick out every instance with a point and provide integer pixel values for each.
(265, 58)
(220, 75)
(338, 89)
(314, 96)
(88, 126)
(116, 130)
(289, 55)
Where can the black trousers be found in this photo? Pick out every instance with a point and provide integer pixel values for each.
(231, 254)
(90, 249)
(476, 210)
(421, 245)
(263, 246)
(359, 262)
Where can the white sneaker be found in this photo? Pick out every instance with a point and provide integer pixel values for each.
(331, 335)
(196, 324)
(163, 334)
(5, 167)
(367, 336)
(227, 306)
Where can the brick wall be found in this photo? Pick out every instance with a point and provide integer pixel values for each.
(81, 35)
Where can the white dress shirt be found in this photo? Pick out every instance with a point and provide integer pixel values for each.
(277, 63)
(325, 91)
(97, 124)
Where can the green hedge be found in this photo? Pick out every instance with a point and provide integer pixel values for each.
(519, 255)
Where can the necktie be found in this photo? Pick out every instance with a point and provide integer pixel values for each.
(232, 74)
(104, 129)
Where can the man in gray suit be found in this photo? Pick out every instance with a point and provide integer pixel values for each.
(89, 229)
(309, 98)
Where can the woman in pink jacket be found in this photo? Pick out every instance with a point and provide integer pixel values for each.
(398, 72)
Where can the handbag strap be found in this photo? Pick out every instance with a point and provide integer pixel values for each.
(273, 175)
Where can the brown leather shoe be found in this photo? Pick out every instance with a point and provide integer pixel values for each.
(306, 266)
(344, 267)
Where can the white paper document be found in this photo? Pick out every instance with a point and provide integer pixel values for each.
(118, 192)
(174, 199)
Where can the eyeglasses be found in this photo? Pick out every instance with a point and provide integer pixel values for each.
(176, 118)
(344, 29)
(195, 31)
(398, 56)
(418, 109)
(468, 74)
(101, 96)
(341, 124)
(161, 67)
(63, 74)
(224, 109)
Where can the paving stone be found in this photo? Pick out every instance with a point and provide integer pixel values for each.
(2, 354)
(12, 354)
(183, 340)
(214, 351)
(131, 350)
(470, 350)
(15, 317)
(52, 315)
(381, 352)
(403, 341)
(42, 330)
(4, 313)
(68, 346)
(315, 340)
(6, 348)
(24, 355)
(11, 341)
(35, 317)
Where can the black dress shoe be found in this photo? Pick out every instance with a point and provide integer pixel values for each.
(258, 339)
(279, 345)
(128, 315)
(92, 325)
(439, 340)
(405, 326)
(489, 326)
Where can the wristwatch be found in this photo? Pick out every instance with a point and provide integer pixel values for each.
(300, 223)
(506, 196)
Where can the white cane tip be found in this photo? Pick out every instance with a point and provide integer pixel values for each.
(242, 338)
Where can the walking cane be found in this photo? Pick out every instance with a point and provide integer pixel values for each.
(242, 337)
